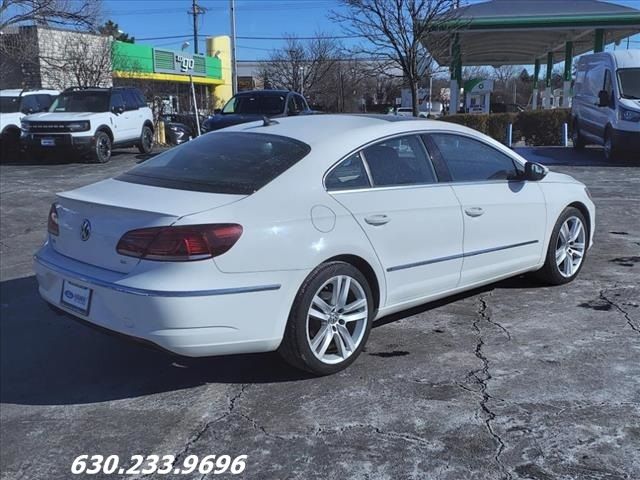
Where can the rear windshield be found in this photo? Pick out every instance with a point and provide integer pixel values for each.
(226, 162)
(255, 104)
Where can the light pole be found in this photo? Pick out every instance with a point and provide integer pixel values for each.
(301, 71)
(234, 67)
(193, 94)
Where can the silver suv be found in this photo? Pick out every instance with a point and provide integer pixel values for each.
(91, 121)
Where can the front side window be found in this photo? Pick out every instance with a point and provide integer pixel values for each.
(238, 163)
(629, 83)
(82, 101)
(399, 161)
(470, 160)
(117, 100)
(349, 174)
(130, 101)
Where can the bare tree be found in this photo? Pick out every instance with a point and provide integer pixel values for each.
(74, 58)
(301, 65)
(396, 29)
(60, 13)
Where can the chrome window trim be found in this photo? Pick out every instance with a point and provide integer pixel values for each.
(508, 153)
(150, 293)
(460, 255)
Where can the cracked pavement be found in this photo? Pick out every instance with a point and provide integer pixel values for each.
(512, 381)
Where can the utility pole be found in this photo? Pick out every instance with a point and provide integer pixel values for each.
(195, 11)
(234, 67)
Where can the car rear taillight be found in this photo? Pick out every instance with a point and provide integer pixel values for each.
(52, 222)
(179, 244)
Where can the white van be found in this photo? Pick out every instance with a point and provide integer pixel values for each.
(606, 103)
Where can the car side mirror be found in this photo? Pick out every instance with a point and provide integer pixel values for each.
(217, 111)
(118, 110)
(603, 98)
(534, 171)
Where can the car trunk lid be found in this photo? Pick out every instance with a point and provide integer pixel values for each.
(92, 219)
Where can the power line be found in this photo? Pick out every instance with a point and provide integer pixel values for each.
(318, 37)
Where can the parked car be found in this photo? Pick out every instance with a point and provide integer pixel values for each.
(14, 106)
(254, 105)
(91, 121)
(606, 102)
(408, 111)
(294, 236)
(180, 128)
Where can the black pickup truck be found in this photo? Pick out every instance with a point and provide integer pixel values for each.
(255, 105)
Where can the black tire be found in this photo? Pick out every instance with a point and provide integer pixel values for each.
(610, 149)
(102, 147)
(577, 139)
(295, 348)
(550, 272)
(146, 140)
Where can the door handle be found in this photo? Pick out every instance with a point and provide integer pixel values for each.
(377, 220)
(474, 211)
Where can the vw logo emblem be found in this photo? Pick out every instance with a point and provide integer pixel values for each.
(85, 230)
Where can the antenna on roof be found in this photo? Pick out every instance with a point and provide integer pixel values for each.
(267, 121)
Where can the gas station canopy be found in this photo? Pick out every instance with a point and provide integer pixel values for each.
(524, 32)
(517, 32)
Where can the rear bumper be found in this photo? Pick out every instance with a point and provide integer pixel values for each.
(224, 320)
(626, 141)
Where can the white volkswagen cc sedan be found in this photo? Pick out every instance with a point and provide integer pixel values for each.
(295, 235)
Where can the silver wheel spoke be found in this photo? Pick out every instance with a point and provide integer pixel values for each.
(318, 314)
(352, 317)
(575, 231)
(326, 342)
(568, 265)
(344, 292)
(317, 340)
(576, 253)
(319, 302)
(335, 294)
(352, 307)
(565, 233)
(345, 336)
(561, 254)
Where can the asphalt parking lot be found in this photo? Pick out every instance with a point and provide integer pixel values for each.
(514, 381)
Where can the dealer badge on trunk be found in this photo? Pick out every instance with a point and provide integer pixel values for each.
(85, 230)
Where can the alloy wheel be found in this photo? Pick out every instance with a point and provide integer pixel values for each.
(147, 139)
(570, 247)
(104, 148)
(337, 319)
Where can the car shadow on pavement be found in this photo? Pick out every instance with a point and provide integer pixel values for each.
(48, 359)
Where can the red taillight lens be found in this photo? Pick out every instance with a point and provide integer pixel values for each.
(184, 243)
(52, 222)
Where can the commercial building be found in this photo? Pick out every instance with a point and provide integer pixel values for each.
(39, 57)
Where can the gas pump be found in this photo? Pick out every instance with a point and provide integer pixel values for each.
(477, 94)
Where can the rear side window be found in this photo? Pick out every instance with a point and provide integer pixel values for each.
(232, 162)
(130, 100)
(399, 161)
(117, 100)
(469, 160)
(349, 174)
(139, 98)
